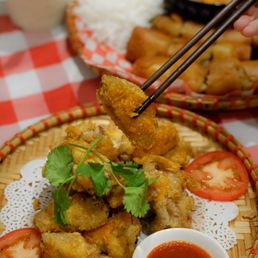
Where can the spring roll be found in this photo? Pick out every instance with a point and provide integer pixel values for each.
(241, 51)
(169, 25)
(226, 75)
(144, 42)
(193, 76)
(234, 37)
(251, 68)
(180, 42)
(190, 28)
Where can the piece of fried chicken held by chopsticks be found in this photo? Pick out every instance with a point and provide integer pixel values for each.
(117, 237)
(120, 99)
(166, 139)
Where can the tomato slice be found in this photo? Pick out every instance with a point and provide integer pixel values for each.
(218, 175)
(20, 243)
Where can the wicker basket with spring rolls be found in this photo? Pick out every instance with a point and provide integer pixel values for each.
(227, 66)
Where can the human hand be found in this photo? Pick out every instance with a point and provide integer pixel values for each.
(247, 24)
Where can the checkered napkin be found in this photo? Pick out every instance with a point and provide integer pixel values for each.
(39, 75)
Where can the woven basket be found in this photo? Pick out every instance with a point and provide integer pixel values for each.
(201, 133)
(201, 102)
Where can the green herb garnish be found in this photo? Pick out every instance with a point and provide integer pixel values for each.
(96, 172)
(59, 165)
(58, 171)
(130, 171)
(135, 200)
(61, 205)
(135, 188)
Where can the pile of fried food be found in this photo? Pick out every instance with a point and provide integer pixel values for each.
(126, 176)
(224, 67)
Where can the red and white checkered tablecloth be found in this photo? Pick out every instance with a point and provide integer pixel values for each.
(40, 75)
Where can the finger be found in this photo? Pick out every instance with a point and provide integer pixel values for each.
(252, 11)
(242, 22)
(251, 29)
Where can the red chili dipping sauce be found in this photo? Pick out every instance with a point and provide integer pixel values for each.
(178, 249)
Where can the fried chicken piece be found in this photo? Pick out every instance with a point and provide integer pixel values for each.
(114, 146)
(166, 139)
(115, 196)
(44, 219)
(87, 213)
(181, 153)
(117, 237)
(171, 205)
(154, 163)
(84, 184)
(84, 213)
(78, 152)
(120, 98)
(169, 202)
(67, 245)
(114, 143)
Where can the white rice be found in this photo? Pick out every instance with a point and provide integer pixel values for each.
(112, 21)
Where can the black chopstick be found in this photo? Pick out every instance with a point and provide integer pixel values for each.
(245, 4)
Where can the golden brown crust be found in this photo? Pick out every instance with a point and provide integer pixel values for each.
(251, 68)
(120, 99)
(166, 138)
(234, 37)
(67, 245)
(144, 41)
(171, 205)
(181, 153)
(232, 78)
(230, 45)
(86, 213)
(222, 50)
(190, 29)
(83, 214)
(118, 236)
(147, 65)
(44, 220)
(169, 25)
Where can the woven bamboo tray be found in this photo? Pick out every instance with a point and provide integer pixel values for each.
(201, 133)
(88, 52)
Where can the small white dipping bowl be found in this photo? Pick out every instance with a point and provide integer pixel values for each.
(210, 245)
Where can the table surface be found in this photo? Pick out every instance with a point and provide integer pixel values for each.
(40, 75)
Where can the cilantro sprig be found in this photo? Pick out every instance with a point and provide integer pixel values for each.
(58, 171)
(59, 165)
(135, 188)
(96, 172)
